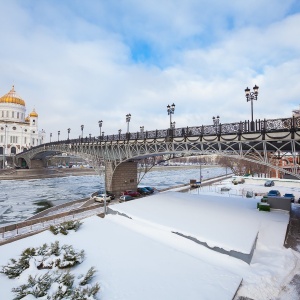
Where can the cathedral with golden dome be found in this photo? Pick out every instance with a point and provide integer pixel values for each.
(18, 132)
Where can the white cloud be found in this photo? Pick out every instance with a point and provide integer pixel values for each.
(73, 61)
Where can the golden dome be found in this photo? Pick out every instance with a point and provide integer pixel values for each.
(27, 119)
(33, 114)
(11, 97)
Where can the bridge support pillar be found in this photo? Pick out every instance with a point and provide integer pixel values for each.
(124, 177)
(37, 164)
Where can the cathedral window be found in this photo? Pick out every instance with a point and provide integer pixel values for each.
(7, 114)
(2, 114)
(18, 115)
(12, 114)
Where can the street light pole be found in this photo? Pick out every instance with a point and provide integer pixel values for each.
(128, 117)
(100, 126)
(69, 129)
(250, 96)
(82, 126)
(58, 133)
(216, 121)
(170, 110)
(50, 137)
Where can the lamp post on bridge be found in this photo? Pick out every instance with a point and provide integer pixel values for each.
(171, 110)
(216, 122)
(58, 133)
(142, 129)
(100, 127)
(50, 137)
(128, 118)
(69, 129)
(120, 133)
(82, 126)
(250, 96)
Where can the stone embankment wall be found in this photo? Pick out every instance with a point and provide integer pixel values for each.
(23, 174)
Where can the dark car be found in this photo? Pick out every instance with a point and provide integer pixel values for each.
(131, 193)
(290, 196)
(143, 191)
(274, 193)
(150, 189)
(269, 183)
(124, 198)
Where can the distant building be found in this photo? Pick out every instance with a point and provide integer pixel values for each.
(18, 132)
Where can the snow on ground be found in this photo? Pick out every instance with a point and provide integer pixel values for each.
(140, 258)
(133, 266)
(229, 225)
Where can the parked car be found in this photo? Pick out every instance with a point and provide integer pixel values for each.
(274, 193)
(143, 191)
(100, 198)
(124, 198)
(150, 189)
(131, 193)
(238, 180)
(269, 183)
(111, 195)
(291, 196)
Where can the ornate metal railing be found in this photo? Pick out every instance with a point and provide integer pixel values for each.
(260, 126)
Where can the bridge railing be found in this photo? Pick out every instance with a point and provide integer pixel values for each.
(271, 125)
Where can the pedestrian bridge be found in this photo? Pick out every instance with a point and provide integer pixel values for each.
(263, 142)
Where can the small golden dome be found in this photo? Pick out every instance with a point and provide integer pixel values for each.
(27, 119)
(11, 97)
(33, 114)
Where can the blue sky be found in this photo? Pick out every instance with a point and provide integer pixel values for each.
(77, 62)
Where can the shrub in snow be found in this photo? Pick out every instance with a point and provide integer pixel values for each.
(64, 227)
(88, 277)
(61, 257)
(56, 286)
(45, 257)
(16, 267)
(36, 286)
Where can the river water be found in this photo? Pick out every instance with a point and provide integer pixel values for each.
(20, 199)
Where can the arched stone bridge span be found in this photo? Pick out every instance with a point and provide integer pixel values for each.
(270, 140)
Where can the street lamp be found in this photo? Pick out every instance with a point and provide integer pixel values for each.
(69, 129)
(50, 137)
(82, 126)
(170, 110)
(142, 129)
(216, 121)
(128, 117)
(120, 133)
(100, 126)
(90, 136)
(250, 96)
(58, 133)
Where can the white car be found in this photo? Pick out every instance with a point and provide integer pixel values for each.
(100, 198)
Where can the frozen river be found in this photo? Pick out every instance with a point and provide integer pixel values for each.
(19, 198)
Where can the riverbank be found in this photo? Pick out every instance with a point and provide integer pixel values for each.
(25, 174)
